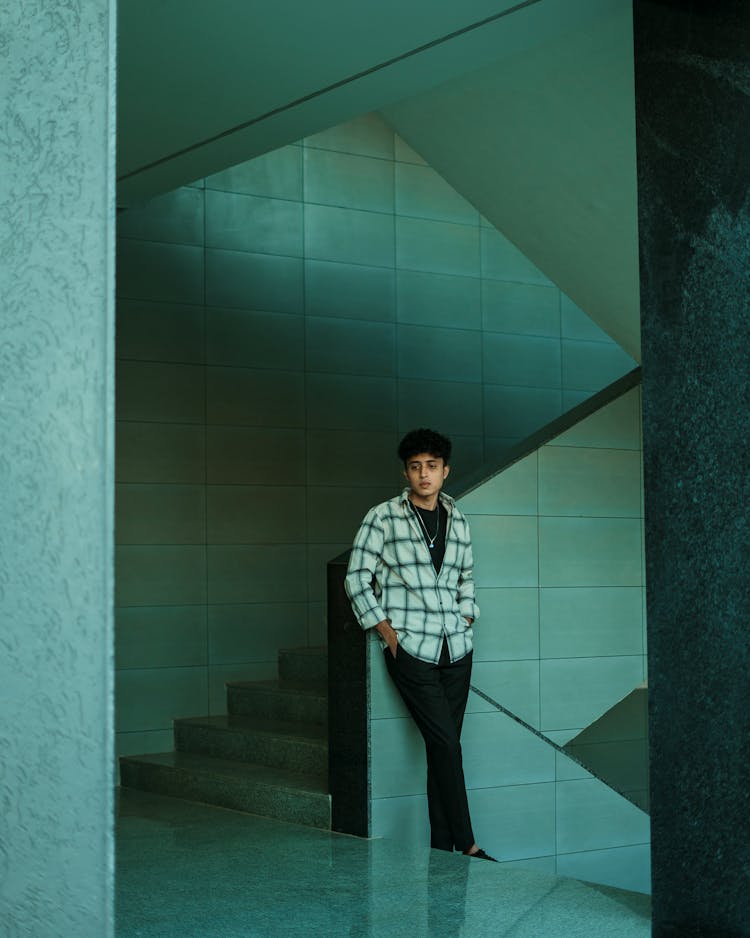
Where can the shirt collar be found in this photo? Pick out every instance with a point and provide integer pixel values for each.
(443, 497)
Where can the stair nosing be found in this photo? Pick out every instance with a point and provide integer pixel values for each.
(152, 758)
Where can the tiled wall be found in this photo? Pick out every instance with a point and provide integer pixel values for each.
(558, 541)
(280, 324)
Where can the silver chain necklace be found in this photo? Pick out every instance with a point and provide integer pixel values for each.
(430, 540)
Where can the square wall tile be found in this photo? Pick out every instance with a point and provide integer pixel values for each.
(405, 154)
(498, 751)
(622, 867)
(502, 260)
(436, 299)
(422, 193)
(513, 491)
(150, 270)
(439, 354)
(512, 684)
(522, 360)
(455, 407)
(627, 720)
(577, 325)
(160, 637)
(368, 135)
(397, 759)
(522, 308)
(256, 574)
(385, 700)
(589, 551)
(159, 514)
(318, 558)
(220, 674)
(577, 691)
(164, 332)
(496, 449)
(437, 246)
(405, 819)
(593, 365)
(347, 346)
(572, 399)
(516, 821)
(591, 816)
(255, 514)
(163, 575)
(577, 480)
(468, 453)
(265, 282)
(348, 181)
(317, 624)
(277, 174)
(505, 550)
(176, 217)
(586, 622)
(255, 397)
(349, 402)
(255, 456)
(355, 458)
(253, 223)
(516, 413)
(335, 512)
(159, 452)
(567, 768)
(349, 291)
(349, 236)
(508, 625)
(151, 698)
(255, 340)
(615, 426)
(254, 631)
(160, 391)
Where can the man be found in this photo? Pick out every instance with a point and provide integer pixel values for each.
(410, 577)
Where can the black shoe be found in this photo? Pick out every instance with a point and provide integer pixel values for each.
(481, 855)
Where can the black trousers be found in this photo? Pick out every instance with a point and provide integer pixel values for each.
(436, 695)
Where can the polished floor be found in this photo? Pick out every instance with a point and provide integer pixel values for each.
(195, 871)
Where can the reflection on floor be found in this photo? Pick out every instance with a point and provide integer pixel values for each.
(195, 871)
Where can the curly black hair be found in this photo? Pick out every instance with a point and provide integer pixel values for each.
(424, 441)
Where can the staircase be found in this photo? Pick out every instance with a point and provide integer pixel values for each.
(268, 755)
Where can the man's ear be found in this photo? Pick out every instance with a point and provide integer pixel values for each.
(446, 470)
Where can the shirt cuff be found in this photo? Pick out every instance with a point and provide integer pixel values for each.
(371, 618)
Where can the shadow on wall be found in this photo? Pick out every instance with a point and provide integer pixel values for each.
(279, 325)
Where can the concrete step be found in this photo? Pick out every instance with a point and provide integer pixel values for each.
(299, 747)
(255, 789)
(304, 664)
(289, 701)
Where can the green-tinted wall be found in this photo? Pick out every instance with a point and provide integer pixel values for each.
(558, 544)
(279, 325)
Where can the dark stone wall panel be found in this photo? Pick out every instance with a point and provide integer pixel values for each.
(692, 74)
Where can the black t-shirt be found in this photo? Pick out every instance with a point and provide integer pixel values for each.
(431, 523)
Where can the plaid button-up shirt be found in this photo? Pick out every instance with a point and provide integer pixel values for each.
(391, 576)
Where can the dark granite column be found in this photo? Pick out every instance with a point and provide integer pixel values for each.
(692, 72)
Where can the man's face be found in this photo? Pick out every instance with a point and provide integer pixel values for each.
(425, 474)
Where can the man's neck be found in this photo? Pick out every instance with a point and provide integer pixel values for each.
(429, 503)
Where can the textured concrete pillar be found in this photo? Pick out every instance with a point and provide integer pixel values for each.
(693, 135)
(56, 467)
